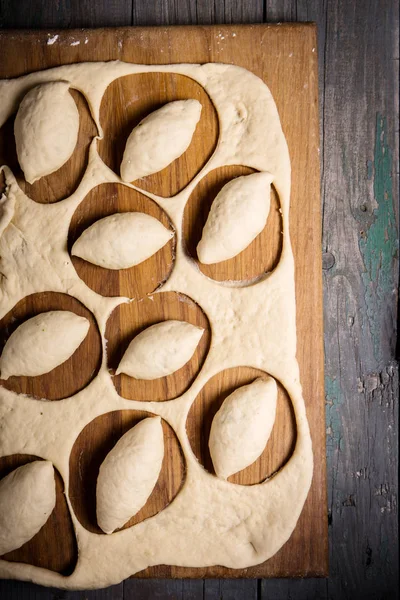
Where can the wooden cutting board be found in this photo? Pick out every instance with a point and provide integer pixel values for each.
(285, 57)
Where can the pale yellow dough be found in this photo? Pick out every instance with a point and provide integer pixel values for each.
(42, 343)
(242, 426)
(160, 138)
(129, 473)
(160, 350)
(122, 240)
(238, 214)
(6, 211)
(211, 521)
(46, 129)
(27, 499)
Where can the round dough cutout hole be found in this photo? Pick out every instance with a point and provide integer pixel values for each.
(138, 96)
(280, 445)
(63, 182)
(261, 256)
(137, 281)
(54, 546)
(128, 320)
(93, 444)
(134, 282)
(76, 372)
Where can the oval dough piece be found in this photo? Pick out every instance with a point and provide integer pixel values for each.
(27, 499)
(121, 240)
(237, 215)
(242, 426)
(42, 343)
(159, 139)
(160, 350)
(46, 129)
(129, 473)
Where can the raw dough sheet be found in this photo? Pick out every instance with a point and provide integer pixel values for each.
(252, 325)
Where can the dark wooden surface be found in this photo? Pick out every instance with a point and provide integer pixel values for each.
(293, 84)
(358, 53)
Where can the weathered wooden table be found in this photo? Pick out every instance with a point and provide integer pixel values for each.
(358, 54)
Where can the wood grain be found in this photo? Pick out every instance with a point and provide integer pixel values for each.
(76, 372)
(209, 401)
(63, 182)
(284, 57)
(137, 281)
(129, 99)
(68, 13)
(91, 448)
(368, 39)
(261, 256)
(358, 53)
(39, 551)
(128, 320)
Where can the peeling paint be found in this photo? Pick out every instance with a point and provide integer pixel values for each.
(370, 169)
(362, 473)
(349, 501)
(379, 244)
(333, 400)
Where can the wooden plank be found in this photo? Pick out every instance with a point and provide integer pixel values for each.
(360, 230)
(20, 590)
(191, 12)
(284, 11)
(292, 79)
(229, 11)
(231, 589)
(181, 12)
(163, 589)
(305, 11)
(360, 201)
(385, 79)
(300, 589)
(69, 13)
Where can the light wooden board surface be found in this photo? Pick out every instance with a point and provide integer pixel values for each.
(285, 57)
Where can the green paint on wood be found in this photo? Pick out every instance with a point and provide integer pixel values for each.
(370, 169)
(333, 401)
(379, 246)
